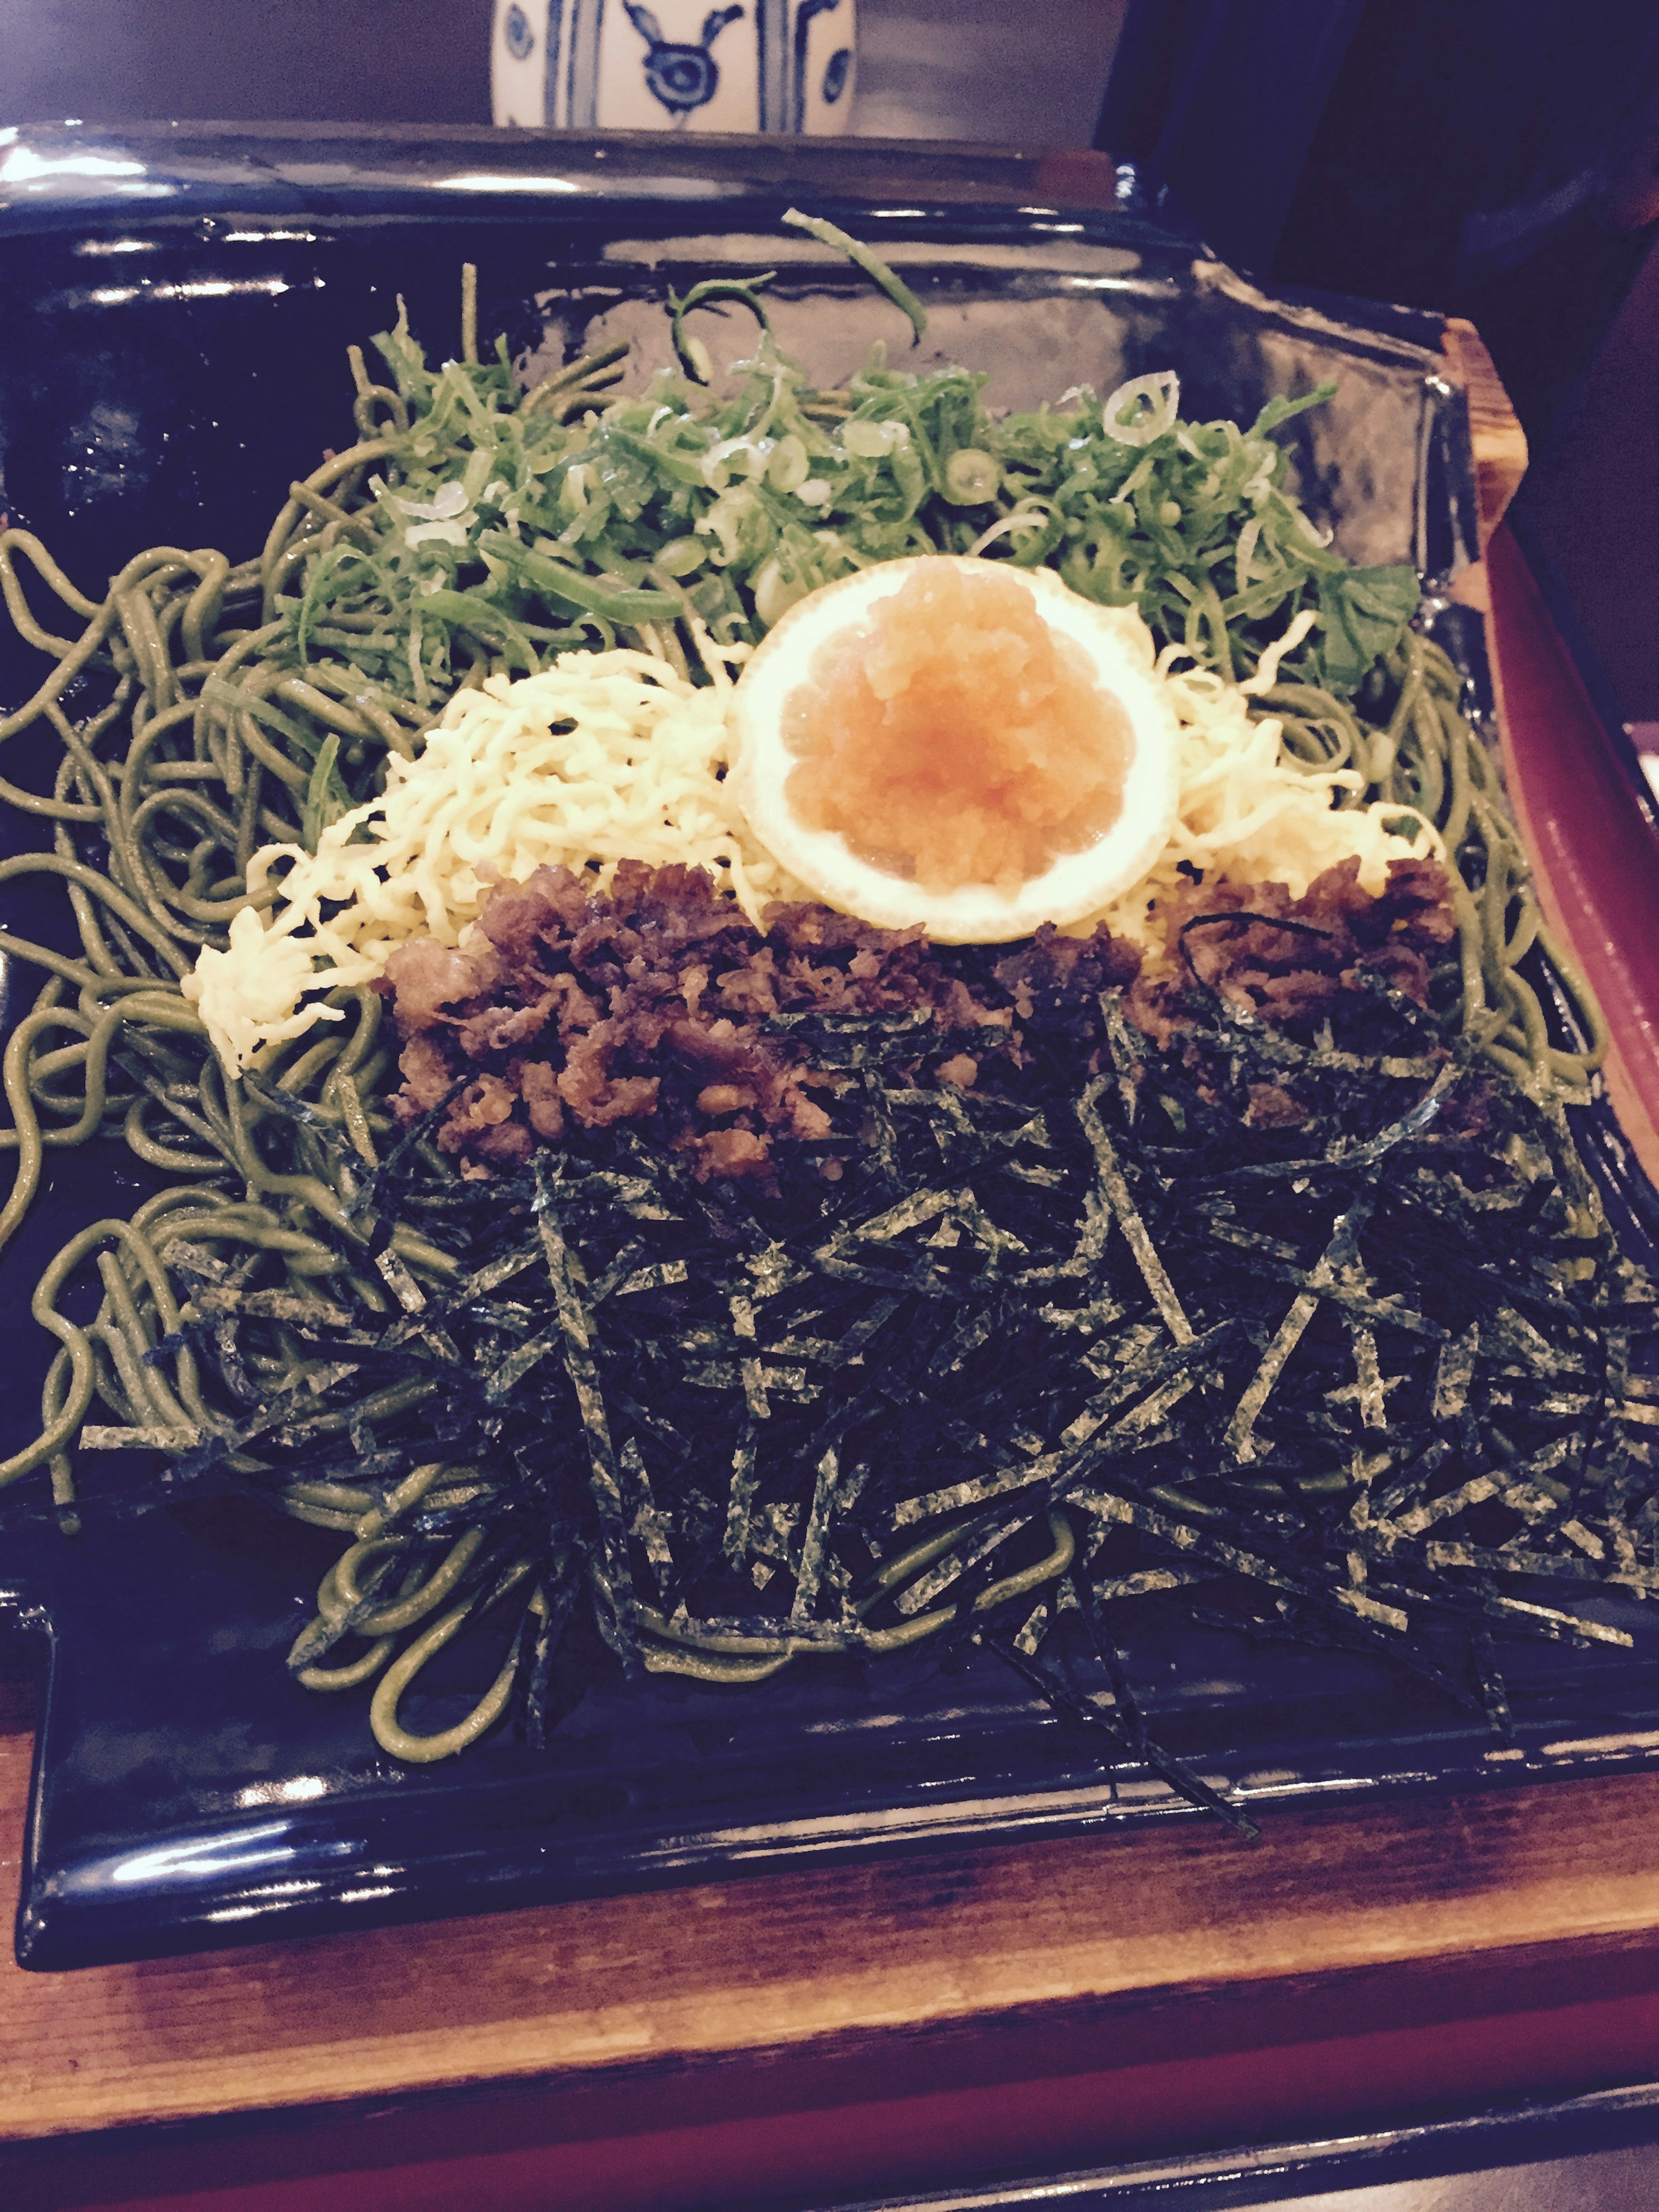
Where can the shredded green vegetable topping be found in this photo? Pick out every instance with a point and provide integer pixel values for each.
(484, 529)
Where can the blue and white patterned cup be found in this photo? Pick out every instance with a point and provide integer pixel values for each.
(771, 65)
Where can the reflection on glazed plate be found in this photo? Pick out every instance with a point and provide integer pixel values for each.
(174, 349)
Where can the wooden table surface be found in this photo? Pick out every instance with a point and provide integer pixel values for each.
(832, 2032)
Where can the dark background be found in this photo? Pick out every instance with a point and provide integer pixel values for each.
(389, 61)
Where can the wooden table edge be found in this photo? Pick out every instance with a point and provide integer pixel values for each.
(1100, 2033)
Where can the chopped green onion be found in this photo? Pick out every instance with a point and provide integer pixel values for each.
(871, 264)
(971, 477)
(692, 353)
(1144, 408)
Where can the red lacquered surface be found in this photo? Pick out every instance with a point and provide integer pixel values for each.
(817, 2158)
(1597, 860)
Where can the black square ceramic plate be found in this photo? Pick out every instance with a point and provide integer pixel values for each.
(172, 353)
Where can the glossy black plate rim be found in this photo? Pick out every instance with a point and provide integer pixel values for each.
(53, 172)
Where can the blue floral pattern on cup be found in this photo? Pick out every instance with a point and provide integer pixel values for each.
(681, 76)
(728, 65)
(804, 15)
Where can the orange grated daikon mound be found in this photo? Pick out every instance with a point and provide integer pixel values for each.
(954, 737)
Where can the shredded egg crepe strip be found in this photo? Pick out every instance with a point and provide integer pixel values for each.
(614, 755)
(603, 757)
(1248, 814)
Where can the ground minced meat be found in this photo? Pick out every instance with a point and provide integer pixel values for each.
(658, 1001)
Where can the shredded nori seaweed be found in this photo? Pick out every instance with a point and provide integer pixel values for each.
(1091, 1329)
